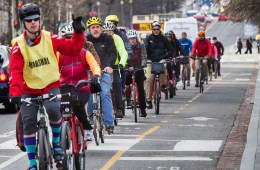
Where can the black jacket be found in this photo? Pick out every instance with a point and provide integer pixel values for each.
(177, 49)
(106, 49)
(239, 44)
(158, 47)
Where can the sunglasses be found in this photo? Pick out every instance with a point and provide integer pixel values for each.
(156, 29)
(30, 20)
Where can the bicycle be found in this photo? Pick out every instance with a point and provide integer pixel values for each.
(184, 61)
(72, 134)
(170, 89)
(157, 69)
(98, 118)
(134, 96)
(44, 151)
(202, 77)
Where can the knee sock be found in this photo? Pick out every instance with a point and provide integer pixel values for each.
(56, 129)
(30, 145)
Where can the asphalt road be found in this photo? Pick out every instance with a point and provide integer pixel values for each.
(189, 133)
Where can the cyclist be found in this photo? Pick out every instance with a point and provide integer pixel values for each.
(220, 48)
(158, 48)
(34, 72)
(138, 62)
(73, 69)
(106, 49)
(177, 51)
(214, 56)
(143, 37)
(121, 60)
(202, 49)
(115, 20)
(186, 45)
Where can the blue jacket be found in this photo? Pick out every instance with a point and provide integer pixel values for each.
(186, 46)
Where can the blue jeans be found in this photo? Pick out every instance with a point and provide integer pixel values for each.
(106, 101)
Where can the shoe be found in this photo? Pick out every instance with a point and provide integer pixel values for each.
(163, 88)
(109, 128)
(143, 113)
(59, 165)
(188, 83)
(34, 167)
(193, 74)
(197, 84)
(149, 105)
(58, 155)
(219, 74)
(90, 119)
(88, 135)
(119, 114)
(128, 104)
(178, 78)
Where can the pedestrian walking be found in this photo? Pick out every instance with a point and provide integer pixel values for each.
(248, 46)
(239, 45)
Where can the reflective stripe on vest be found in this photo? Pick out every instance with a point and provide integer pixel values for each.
(40, 63)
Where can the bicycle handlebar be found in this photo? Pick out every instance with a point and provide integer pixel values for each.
(82, 82)
(49, 97)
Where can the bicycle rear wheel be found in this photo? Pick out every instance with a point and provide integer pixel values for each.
(66, 144)
(216, 70)
(134, 102)
(44, 151)
(80, 158)
(157, 99)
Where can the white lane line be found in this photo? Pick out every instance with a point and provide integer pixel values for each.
(251, 60)
(12, 160)
(4, 156)
(130, 123)
(198, 145)
(186, 158)
(7, 134)
(123, 135)
(114, 144)
(240, 79)
(10, 144)
(201, 118)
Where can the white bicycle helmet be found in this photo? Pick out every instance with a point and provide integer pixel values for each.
(143, 36)
(131, 34)
(67, 30)
(109, 26)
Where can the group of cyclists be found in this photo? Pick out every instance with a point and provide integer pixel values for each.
(42, 61)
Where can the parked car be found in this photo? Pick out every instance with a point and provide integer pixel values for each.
(4, 80)
(222, 17)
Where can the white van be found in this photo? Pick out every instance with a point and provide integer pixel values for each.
(179, 25)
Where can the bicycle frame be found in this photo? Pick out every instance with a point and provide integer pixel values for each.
(156, 80)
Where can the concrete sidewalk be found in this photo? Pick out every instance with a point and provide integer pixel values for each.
(251, 155)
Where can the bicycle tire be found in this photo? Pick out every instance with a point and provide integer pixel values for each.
(100, 130)
(80, 158)
(66, 144)
(184, 78)
(174, 87)
(134, 103)
(157, 100)
(43, 152)
(95, 130)
(216, 72)
(171, 89)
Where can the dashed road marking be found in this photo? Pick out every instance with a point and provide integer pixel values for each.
(173, 158)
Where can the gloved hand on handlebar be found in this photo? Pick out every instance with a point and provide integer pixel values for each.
(16, 100)
(94, 79)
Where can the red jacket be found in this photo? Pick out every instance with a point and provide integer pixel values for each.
(202, 48)
(65, 46)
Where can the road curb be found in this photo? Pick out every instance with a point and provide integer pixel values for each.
(250, 153)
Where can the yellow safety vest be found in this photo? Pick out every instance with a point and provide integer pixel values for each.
(40, 62)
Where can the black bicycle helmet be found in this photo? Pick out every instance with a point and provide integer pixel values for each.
(29, 11)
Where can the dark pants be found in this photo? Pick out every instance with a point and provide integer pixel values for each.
(117, 90)
(238, 50)
(177, 68)
(123, 77)
(248, 49)
(80, 111)
(139, 79)
(219, 58)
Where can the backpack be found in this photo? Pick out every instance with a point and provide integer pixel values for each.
(82, 56)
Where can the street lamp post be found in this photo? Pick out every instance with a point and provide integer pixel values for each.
(122, 12)
(131, 12)
(98, 5)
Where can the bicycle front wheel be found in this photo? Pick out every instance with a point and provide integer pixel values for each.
(134, 103)
(66, 144)
(80, 157)
(184, 77)
(44, 151)
(157, 99)
(95, 129)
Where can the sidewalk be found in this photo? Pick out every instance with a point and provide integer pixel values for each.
(251, 155)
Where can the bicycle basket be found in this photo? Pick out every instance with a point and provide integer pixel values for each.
(157, 68)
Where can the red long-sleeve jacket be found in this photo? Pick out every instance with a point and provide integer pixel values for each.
(65, 46)
(202, 48)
